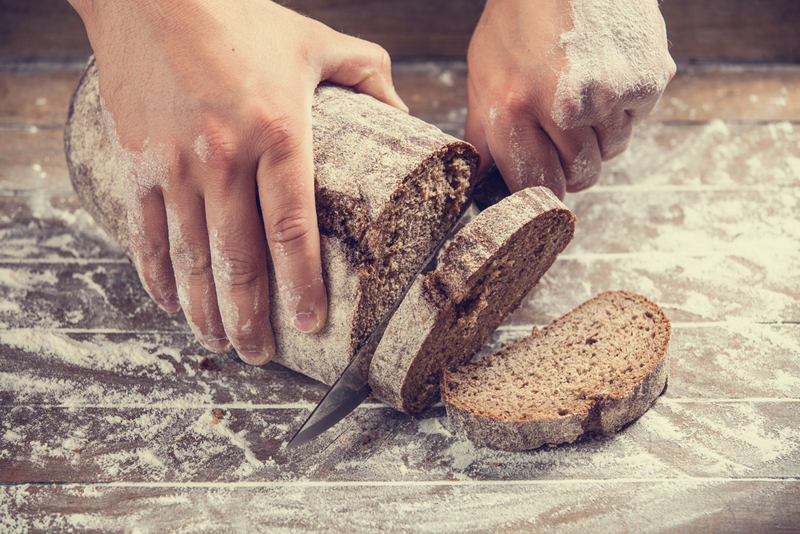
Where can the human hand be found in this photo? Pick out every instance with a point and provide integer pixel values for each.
(555, 86)
(208, 106)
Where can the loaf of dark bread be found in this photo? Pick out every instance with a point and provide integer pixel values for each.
(595, 369)
(388, 187)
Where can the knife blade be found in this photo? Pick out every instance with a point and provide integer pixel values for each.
(352, 388)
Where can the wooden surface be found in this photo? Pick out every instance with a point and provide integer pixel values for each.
(699, 30)
(114, 420)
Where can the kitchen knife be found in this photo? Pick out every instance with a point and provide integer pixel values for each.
(352, 388)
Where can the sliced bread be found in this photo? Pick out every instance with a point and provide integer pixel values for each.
(388, 186)
(595, 369)
(447, 316)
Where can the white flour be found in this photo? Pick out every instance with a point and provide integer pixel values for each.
(689, 453)
(616, 47)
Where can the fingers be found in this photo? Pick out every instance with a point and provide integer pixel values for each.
(238, 255)
(528, 158)
(530, 151)
(364, 66)
(475, 134)
(191, 262)
(579, 153)
(147, 228)
(285, 179)
(613, 135)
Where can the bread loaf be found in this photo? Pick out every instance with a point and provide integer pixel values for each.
(595, 369)
(388, 187)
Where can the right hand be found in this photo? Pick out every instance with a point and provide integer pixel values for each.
(208, 105)
(555, 86)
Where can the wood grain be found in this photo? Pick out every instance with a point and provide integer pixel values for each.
(536, 506)
(707, 30)
(108, 403)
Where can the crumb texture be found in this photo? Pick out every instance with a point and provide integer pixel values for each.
(595, 369)
(486, 271)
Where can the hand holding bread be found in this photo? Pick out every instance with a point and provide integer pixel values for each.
(208, 107)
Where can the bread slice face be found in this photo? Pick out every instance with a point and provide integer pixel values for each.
(388, 186)
(484, 274)
(595, 369)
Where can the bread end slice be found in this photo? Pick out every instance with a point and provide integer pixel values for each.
(594, 370)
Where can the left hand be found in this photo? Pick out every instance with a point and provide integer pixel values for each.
(555, 86)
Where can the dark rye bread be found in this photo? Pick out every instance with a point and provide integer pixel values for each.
(595, 369)
(388, 186)
(447, 316)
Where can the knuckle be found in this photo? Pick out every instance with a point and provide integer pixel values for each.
(148, 250)
(191, 261)
(279, 137)
(516, 107)
(236, 267)
(290, 227)
(518, 103)
(218, 146)
(381, 58)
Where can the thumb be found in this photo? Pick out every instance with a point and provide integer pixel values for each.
(364, 66)
(525, 155)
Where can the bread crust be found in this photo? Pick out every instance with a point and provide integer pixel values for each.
(379, 174)
(485, 273)
(602, 413)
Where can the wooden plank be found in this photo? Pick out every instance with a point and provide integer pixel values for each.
(45, 28)
(739, 287)
(105, 368)
(41, 367)
(40, 227)
(715, 154)
(646, 506)
(742, 222)
(733, 30)
(436, 92)
(744, 161)
(731, 92)
(710, 30)
(37, 96)
(33, 160)
(100, 296)
(744, 285)
(684, 438)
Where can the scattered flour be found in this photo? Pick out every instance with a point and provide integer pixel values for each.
(681, 455)
(25, 279)
(86, 354)
(203, 426)
(88, 279)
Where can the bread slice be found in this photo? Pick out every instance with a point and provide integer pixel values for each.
(388, 187)
(595, 369)
(447, 316)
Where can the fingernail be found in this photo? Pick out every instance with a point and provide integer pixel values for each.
(306, 322)
(220, 344)
(170, 307)
(254, 357)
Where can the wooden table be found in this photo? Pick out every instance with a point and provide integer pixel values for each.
(114, 419)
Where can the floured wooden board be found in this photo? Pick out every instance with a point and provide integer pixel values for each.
(108, 403)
